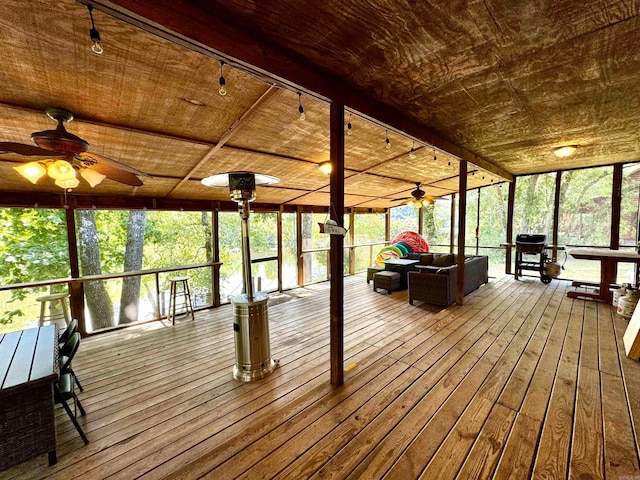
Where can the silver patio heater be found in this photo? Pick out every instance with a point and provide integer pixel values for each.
(250, 310)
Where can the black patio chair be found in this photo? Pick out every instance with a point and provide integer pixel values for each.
(65, 357)
(70, 330)
(64, 391)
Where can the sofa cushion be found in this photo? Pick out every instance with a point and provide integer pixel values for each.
(442, 260)
(426, 258)
(413, 256)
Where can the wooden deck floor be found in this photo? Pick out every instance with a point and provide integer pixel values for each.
(519, 382)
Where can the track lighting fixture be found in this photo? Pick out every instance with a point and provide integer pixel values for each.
(222, 82)
(435, 157)
(301, 108)
(388, 142)
(94, 34)
(349, 127)
(449, 163)
(412, 153)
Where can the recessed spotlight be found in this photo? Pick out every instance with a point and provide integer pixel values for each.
(564, 150)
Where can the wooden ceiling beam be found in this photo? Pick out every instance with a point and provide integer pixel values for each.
(183, 23)
(226, 136)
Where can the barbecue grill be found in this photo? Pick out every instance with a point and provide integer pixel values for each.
(530, 254)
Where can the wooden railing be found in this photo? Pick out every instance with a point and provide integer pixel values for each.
(76, 287)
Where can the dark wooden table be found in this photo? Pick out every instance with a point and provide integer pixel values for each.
(28, 368)
(609, 260)
(402, 266)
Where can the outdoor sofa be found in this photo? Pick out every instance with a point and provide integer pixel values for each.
(435, 281)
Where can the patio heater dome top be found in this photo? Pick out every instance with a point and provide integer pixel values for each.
(222, 179)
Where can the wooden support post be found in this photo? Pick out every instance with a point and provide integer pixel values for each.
(616, 204)
(336, 211)
(478, 223)
(420, 219)
(387, 225)
(510, 208)
(215, 243)
(556, 215)
(352, 241)
(462, 214)
(299, 246)
(279, 241)
(452, 234)
(76, 289)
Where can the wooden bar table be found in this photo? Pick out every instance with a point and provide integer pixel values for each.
(609, 260)
(28, 369)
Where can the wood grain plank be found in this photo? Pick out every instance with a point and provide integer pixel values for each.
(608, 349)
(587, 450)
(552, 458)
(519, 450)
(483, 425)
(618, 432)
(485, 453)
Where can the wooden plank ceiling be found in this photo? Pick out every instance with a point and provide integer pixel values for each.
(504, 81)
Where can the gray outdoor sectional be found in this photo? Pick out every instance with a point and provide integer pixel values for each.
(435, 282)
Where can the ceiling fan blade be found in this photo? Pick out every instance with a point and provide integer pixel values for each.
(29, 150)
(117, 175)
(91, 158)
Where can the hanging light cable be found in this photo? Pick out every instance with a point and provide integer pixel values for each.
(349, 127)
(301, 108)
(222, 82)
(388, 142)
(94, 34)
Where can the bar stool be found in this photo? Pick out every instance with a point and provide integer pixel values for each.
(173, 294)
(51, 300)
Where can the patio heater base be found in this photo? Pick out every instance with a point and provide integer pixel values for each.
(251, 333)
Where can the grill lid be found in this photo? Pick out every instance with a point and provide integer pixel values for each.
(531, 239)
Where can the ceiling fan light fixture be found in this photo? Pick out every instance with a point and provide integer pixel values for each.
(68, 183)
(325, 167)
(32, 171)
(564, 151)
(61, 170)
(92, 177)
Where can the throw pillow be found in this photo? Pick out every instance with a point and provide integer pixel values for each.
(426, 258)
(443, 260)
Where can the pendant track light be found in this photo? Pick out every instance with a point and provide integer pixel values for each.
(349, 127)
(222, 90)
(94, 34)
(387, 141)
(412, 153)
(301, 108)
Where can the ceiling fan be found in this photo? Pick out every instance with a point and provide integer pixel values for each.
(65, 153)
(418, 197)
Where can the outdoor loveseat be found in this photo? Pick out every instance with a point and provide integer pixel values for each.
(436, 283)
